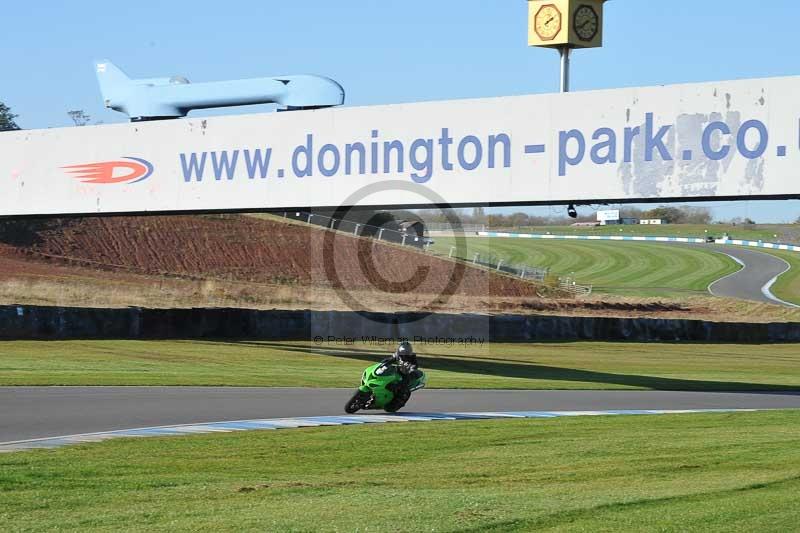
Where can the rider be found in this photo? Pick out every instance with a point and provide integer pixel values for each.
(406, 361)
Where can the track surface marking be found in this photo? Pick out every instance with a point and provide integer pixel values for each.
(318, 421)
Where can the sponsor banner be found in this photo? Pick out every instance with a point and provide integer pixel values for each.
(605, 216)
(736, 139)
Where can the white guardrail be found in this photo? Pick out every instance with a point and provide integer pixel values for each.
(692, 240)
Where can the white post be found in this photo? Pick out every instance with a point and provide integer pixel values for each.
(475, 259)
(356, 230)
(499, 264)
(450, 255)
(380, 234)
(404, 239)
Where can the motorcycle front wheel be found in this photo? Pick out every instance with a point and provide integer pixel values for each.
(356, 403)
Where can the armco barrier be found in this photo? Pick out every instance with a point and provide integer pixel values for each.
(587, 237)
(759, 244)
(691, 240)
(33, 322)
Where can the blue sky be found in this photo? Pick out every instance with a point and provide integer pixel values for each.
(385, 51)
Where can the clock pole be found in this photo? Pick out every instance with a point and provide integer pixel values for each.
(565, 25)
(565, 52)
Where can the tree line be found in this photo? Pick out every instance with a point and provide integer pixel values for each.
(669, 214)
(8, 122)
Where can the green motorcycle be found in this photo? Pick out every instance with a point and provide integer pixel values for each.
(380, 389)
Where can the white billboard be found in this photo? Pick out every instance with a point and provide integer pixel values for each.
(605, 216)
(712, 140)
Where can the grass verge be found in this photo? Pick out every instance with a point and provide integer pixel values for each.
(575, 365)
(711, 472)
(625, 268)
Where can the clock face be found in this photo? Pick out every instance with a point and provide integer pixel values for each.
(547, 22)
(586, 23)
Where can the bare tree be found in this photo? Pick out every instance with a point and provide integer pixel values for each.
(79, 117)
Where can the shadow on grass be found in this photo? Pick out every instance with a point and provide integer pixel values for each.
(530, 371)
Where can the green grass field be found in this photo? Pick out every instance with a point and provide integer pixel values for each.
(625, 268)
(585, 365)
(710, 472)
(785, 233)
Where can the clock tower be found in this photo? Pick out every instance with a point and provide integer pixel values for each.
(565, 23)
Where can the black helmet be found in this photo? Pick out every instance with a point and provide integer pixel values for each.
(405, 351)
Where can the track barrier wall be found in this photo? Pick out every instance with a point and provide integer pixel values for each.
(690, 240)
(50, 323)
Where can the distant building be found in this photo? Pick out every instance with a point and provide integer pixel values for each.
(585, 224)
(621, 222)
(653, 221)
(613, 218)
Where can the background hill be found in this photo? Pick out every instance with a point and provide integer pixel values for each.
(265, 262)
(198, 260)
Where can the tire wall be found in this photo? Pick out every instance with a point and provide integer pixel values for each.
(33, 322)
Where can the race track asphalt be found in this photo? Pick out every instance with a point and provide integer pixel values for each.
(38, 412)
(751, 282)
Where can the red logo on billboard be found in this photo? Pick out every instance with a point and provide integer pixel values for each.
(126, 170)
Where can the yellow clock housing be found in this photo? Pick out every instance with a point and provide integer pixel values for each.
(565, 23)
